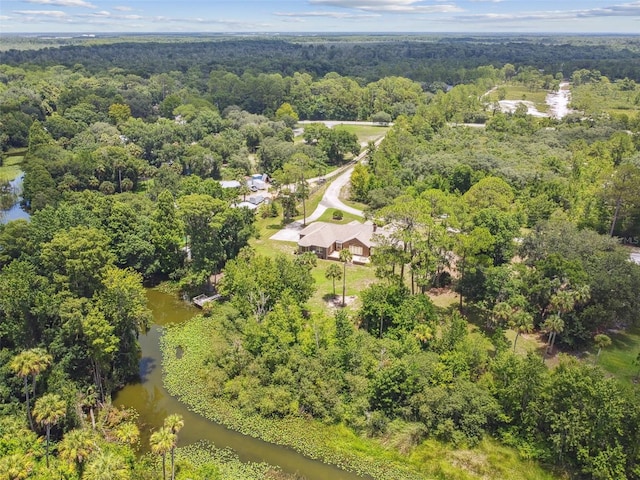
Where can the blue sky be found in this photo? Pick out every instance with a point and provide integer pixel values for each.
(478, 16)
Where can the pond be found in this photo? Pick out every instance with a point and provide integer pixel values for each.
(153, 403)
(15, 212)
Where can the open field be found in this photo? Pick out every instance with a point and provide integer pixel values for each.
(594, 98)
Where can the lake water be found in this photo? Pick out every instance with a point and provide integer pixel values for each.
(153, 403)
(15, 212)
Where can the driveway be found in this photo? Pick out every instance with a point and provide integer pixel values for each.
(330, 199)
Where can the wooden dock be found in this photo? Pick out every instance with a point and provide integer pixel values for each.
(200, 300)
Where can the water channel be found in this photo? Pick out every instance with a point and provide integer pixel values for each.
(153, 403)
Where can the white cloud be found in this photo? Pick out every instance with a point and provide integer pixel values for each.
(41, 13)
(239, 25)
(327, 14)
(105, 14)
(390, 6)
(123, 9)
(622, 10)
(63, 3)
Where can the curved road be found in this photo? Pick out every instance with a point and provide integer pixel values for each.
(330, 199)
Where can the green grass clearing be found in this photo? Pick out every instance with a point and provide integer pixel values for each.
(445, 299)
(619, 357)
(352, 203)
(365, 133)
(327, 216)
(359, 277)
(11, 166)
(529, 342)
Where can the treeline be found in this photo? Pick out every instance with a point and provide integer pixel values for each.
(451, 60)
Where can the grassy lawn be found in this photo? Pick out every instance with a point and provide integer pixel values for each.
(365, 133)
(313, 201)
(327, 216)
(617, 112)
(353, 204)
(618, 358)
(445, 300)
(358, 278)
(263, 245)
(596, 98)
(11, 165)
(526, 343)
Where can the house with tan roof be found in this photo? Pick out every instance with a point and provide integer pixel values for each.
(327, 239)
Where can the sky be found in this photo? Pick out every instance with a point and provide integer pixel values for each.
(283, 16)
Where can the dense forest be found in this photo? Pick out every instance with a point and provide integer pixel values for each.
(423, 59)
(529, 220)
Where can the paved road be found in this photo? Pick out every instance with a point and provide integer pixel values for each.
(330, 199)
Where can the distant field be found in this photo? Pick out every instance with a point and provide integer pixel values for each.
(595, 98)
(520, 92)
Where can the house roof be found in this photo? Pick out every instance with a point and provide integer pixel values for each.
(249, 205)
(257, 200)
(229, 183)
(322, 234)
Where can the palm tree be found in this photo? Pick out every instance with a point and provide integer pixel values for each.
(602, 341)
(521, 322)
(423, 333)
(162, 441)
(76, 446)
(128, 432)
(582, 294)
(90, 399)
(333, 273)
(174, 423)
(563, 301)
(16, 466)
(553, 325)
(48, 411)
(30, 363)
(106, 465)
(345, 257)
(501, 313)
